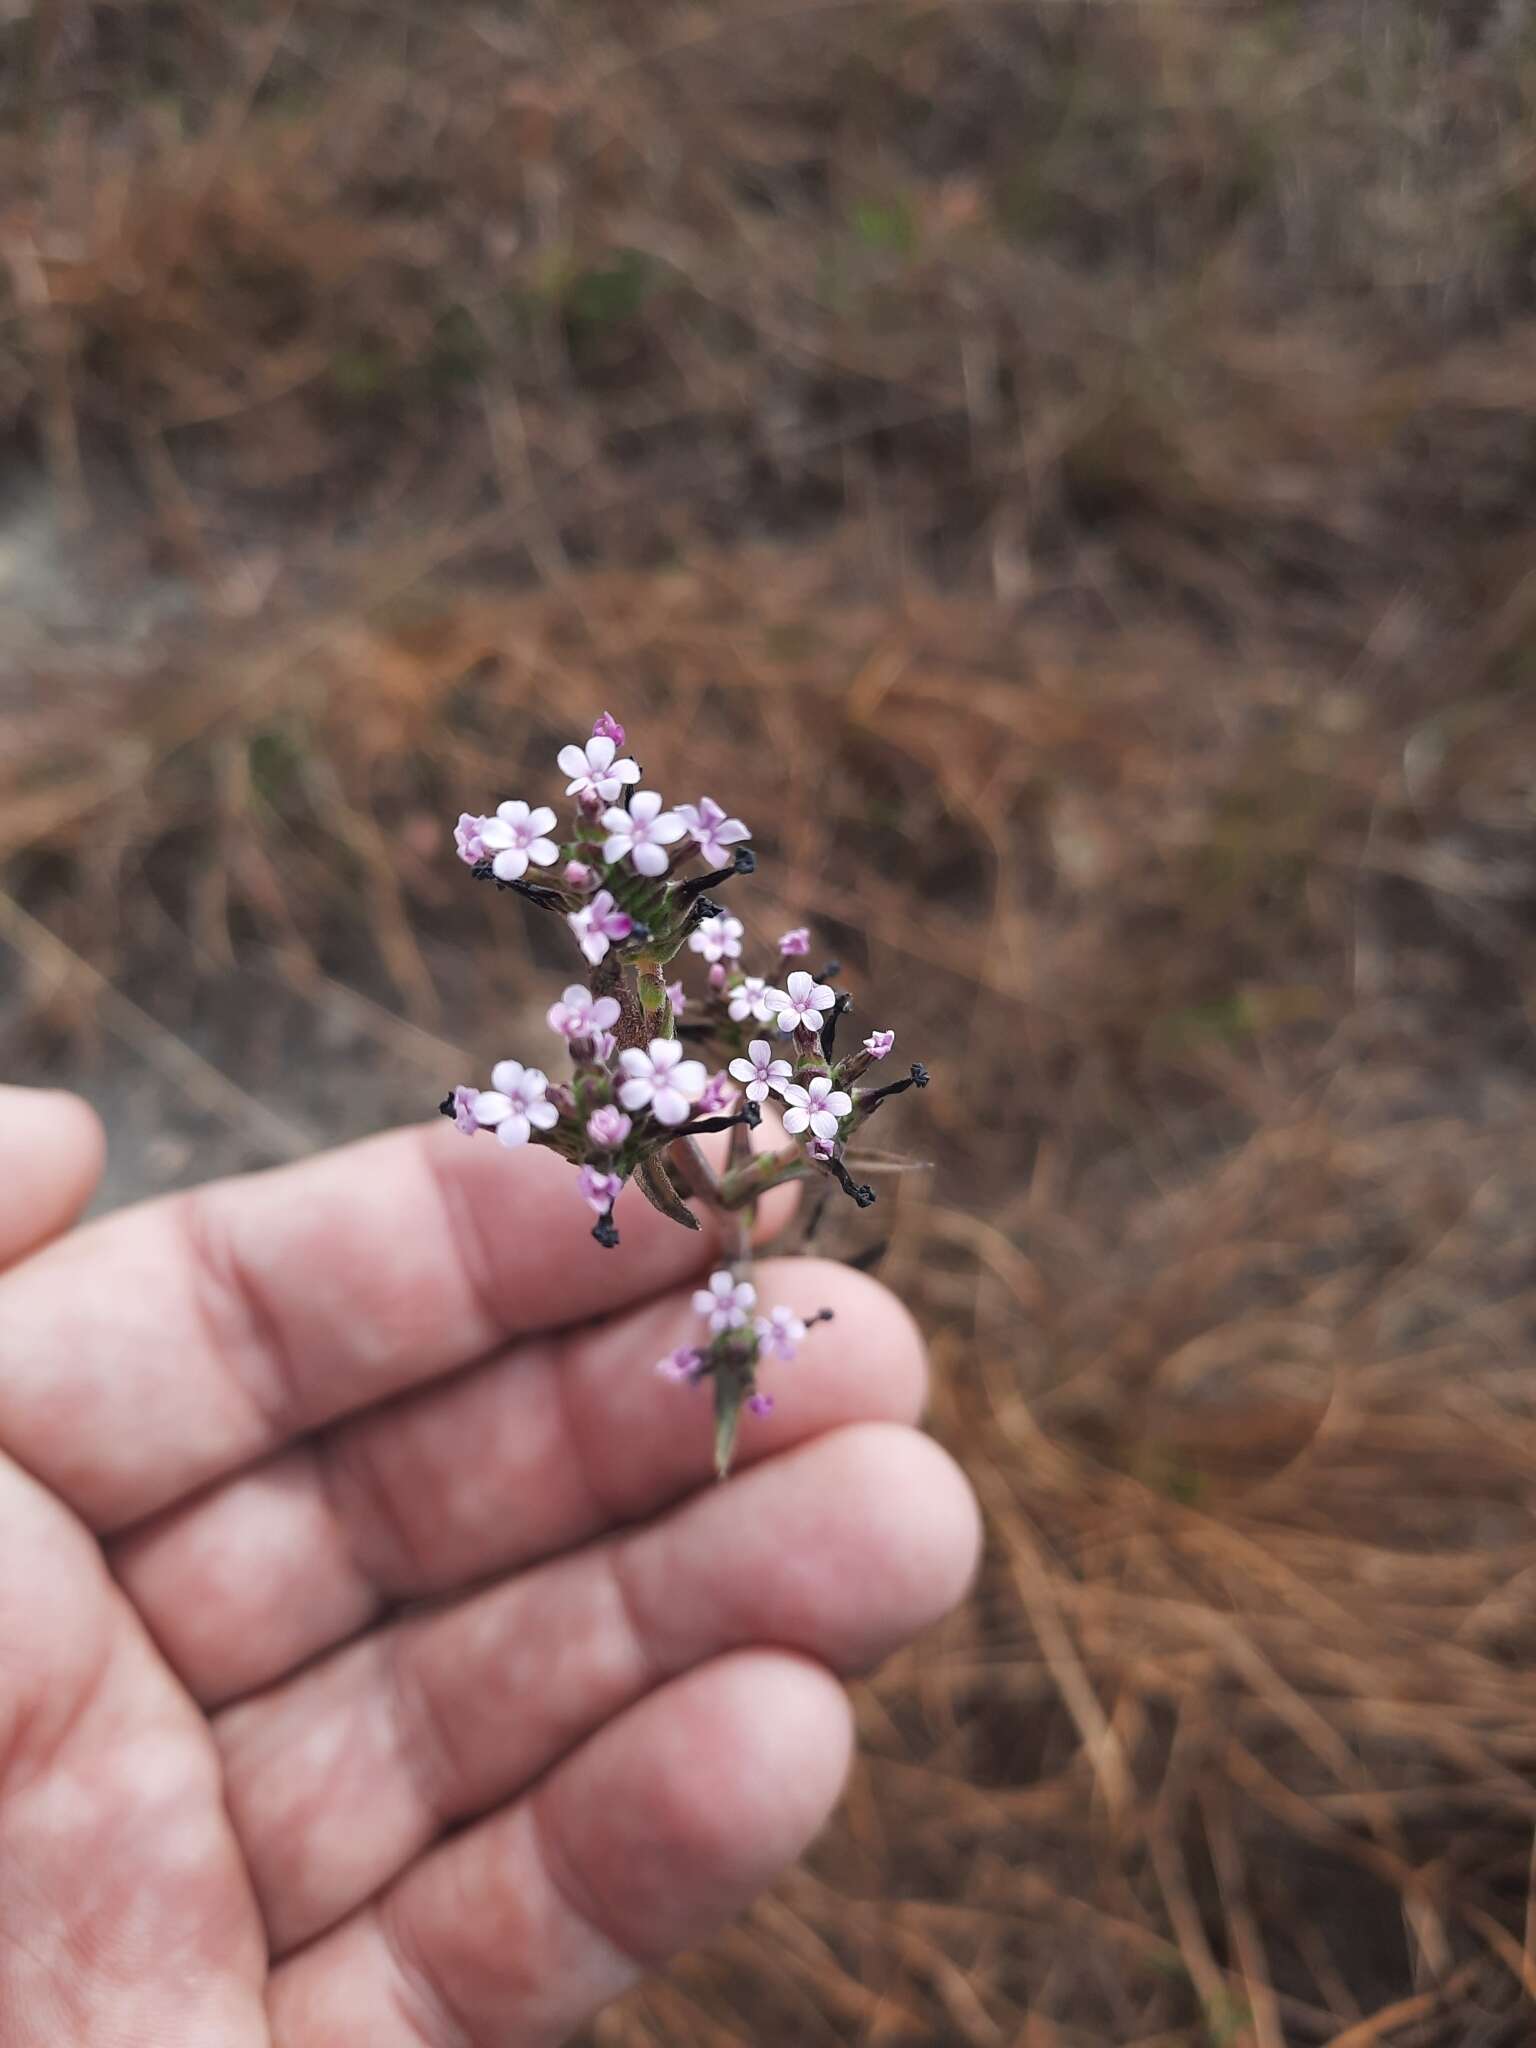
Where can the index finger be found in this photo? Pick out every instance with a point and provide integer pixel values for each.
(164, 1347)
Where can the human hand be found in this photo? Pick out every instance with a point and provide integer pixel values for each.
(378, 1664)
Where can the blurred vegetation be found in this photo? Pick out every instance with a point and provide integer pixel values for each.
(1067, 472)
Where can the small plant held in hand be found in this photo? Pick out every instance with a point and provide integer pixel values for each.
(654, 1069)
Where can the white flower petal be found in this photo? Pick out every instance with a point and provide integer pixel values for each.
(541, 820)
(634, 1061)
(543, 1115)
(507, 1075)
(616, 846)
(635, 1094)
(543, 853)
(491, 1106)
(669, 1107)
(648, 860)
(690, 1079)
(512, 1132)
(795, 1121)
(513, 812)
(600, 751)
(644, 805)
(572, 761)
(510, 865)
(668, 828)
(744, 1070)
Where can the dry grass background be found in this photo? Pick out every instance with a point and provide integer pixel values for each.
(1068, 472)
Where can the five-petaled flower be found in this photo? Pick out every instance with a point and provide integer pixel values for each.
(514, 1105)
(599, 1190)
(780, 1333)
(596, 777)
(818, 1107)
(760, 1070)
(752, 997)
(804, 1000)
(797, 943)
(661, 1080)
(517, 839)
(879, 1043)
(713, 832)
(599, 924)
(726, 1302)
(718, 938)
(580, 1014)
(607, 1128)
(642, 833)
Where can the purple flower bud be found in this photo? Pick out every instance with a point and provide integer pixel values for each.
(608, 1127)
(464, 1118)
(760, 1404)
(600, 1190)
(796, 944)
(879, 1043)
(676, 998)
(578, 877)
(607, 727)
(466, 837)
(719, 1096)
(682, 1364)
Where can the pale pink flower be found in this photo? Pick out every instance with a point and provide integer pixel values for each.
(726, 1302)
(661, 1080)
(599, 1190)
(717, 975)
(719, 1096)
(818, 1107)
(607, 727)
(713, 831)
(641, 834)
(464, 1100)
(599, 924)
(676, 998)
(718, 938)
(514, 1105)
(796, 944)
(760, 1070)
(578, 877)
(879, 1043)
(780, 1333)
(752, 997)
(467, 839)
(516, 838)
(607, 1128)
(681, 1364)
(580, 1014)
(596, 777)
(803, 1004)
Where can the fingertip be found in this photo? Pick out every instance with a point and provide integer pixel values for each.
(700, 1796)
(52, 1149)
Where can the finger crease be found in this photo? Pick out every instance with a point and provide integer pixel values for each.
(575, 1895)
(422, 1735)
(422, 2003)
(242, 1331)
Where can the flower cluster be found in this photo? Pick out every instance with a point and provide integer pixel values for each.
(738, 1341)
(654, 1066)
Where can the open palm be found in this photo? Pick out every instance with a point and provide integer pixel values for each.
(376, 1664)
